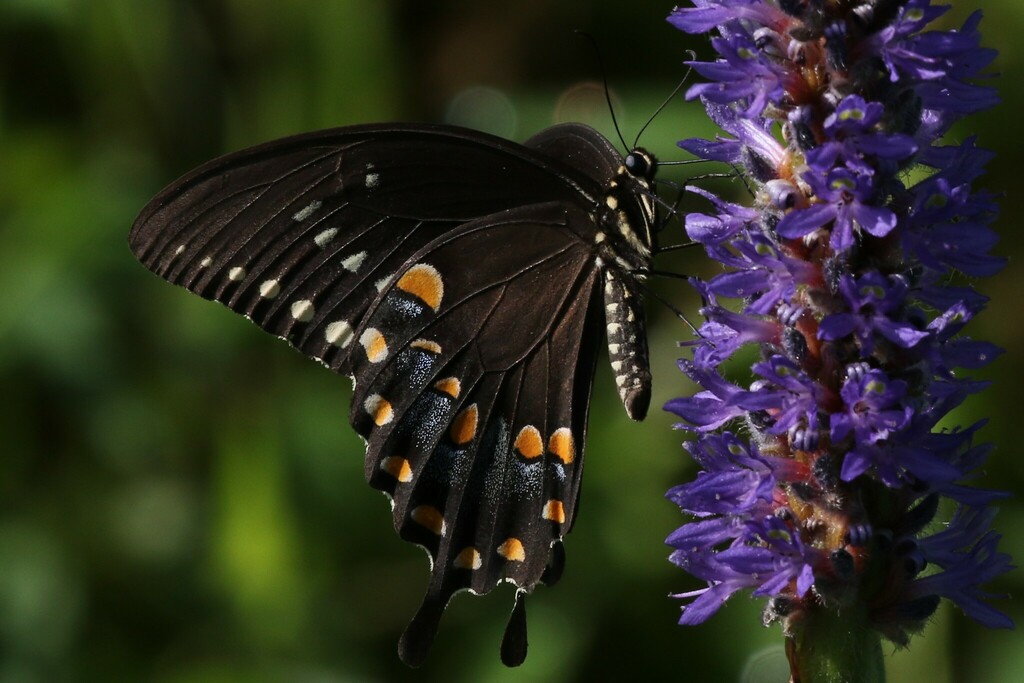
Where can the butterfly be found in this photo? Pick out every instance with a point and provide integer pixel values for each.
(464, 282)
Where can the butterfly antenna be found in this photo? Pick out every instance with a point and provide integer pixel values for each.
(607, 92)
(671, 95)
(682, 162)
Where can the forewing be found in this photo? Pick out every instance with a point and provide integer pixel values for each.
(473, 374)
(301, 234)
(581, 147)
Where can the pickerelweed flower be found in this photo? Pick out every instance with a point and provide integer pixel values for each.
(845, 268)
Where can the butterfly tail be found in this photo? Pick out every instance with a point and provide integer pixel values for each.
(414, 645)
(513, 643)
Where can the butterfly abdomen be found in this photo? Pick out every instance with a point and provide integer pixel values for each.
(627, 344)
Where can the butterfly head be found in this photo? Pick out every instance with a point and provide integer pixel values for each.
(641, 164)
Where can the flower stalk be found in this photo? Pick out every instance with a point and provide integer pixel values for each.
(822, 472)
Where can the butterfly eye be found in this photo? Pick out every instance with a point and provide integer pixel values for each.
(640, 164)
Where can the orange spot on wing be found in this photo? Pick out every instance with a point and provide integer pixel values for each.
(430, 518)
(375, 344)
(463, 428)
(383, 414)
(512, 550)
(450, 386)
(529, 442)
(555, 511)
(468, 558)
(561, 444)
(425, 283)
(426, 345)
(399, 468)
(379, 408)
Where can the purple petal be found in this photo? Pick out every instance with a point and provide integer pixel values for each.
(902, 334)
(800, 222)
(805, 580)
(726, 151)
(700, 19)
(894, 147)
(876, 220)
(965, 353)
(698, 611)
(854, 464)
(740, 283)
(708, 229)
(837, 326)
(703, 534)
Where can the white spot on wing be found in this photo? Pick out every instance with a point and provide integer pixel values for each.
(180, 250)
(303, 214)
(236, 274)
(270, 289)
(372, 180)
(353, 262)
(339, 333)
(303, 310)
(382, 283)
(206, 262)
(324, 237)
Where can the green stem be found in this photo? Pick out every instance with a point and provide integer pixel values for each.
(835, 647)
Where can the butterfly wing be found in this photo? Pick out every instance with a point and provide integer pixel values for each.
(453, 274)
(581, 147)
(472, 390)
(329, 217)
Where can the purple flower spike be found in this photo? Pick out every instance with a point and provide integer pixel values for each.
(841, 276)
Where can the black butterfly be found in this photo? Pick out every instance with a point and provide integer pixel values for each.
(463, 281)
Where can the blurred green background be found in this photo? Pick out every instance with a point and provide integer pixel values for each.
(181, 498)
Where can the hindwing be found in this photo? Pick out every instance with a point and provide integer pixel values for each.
(472, 389)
